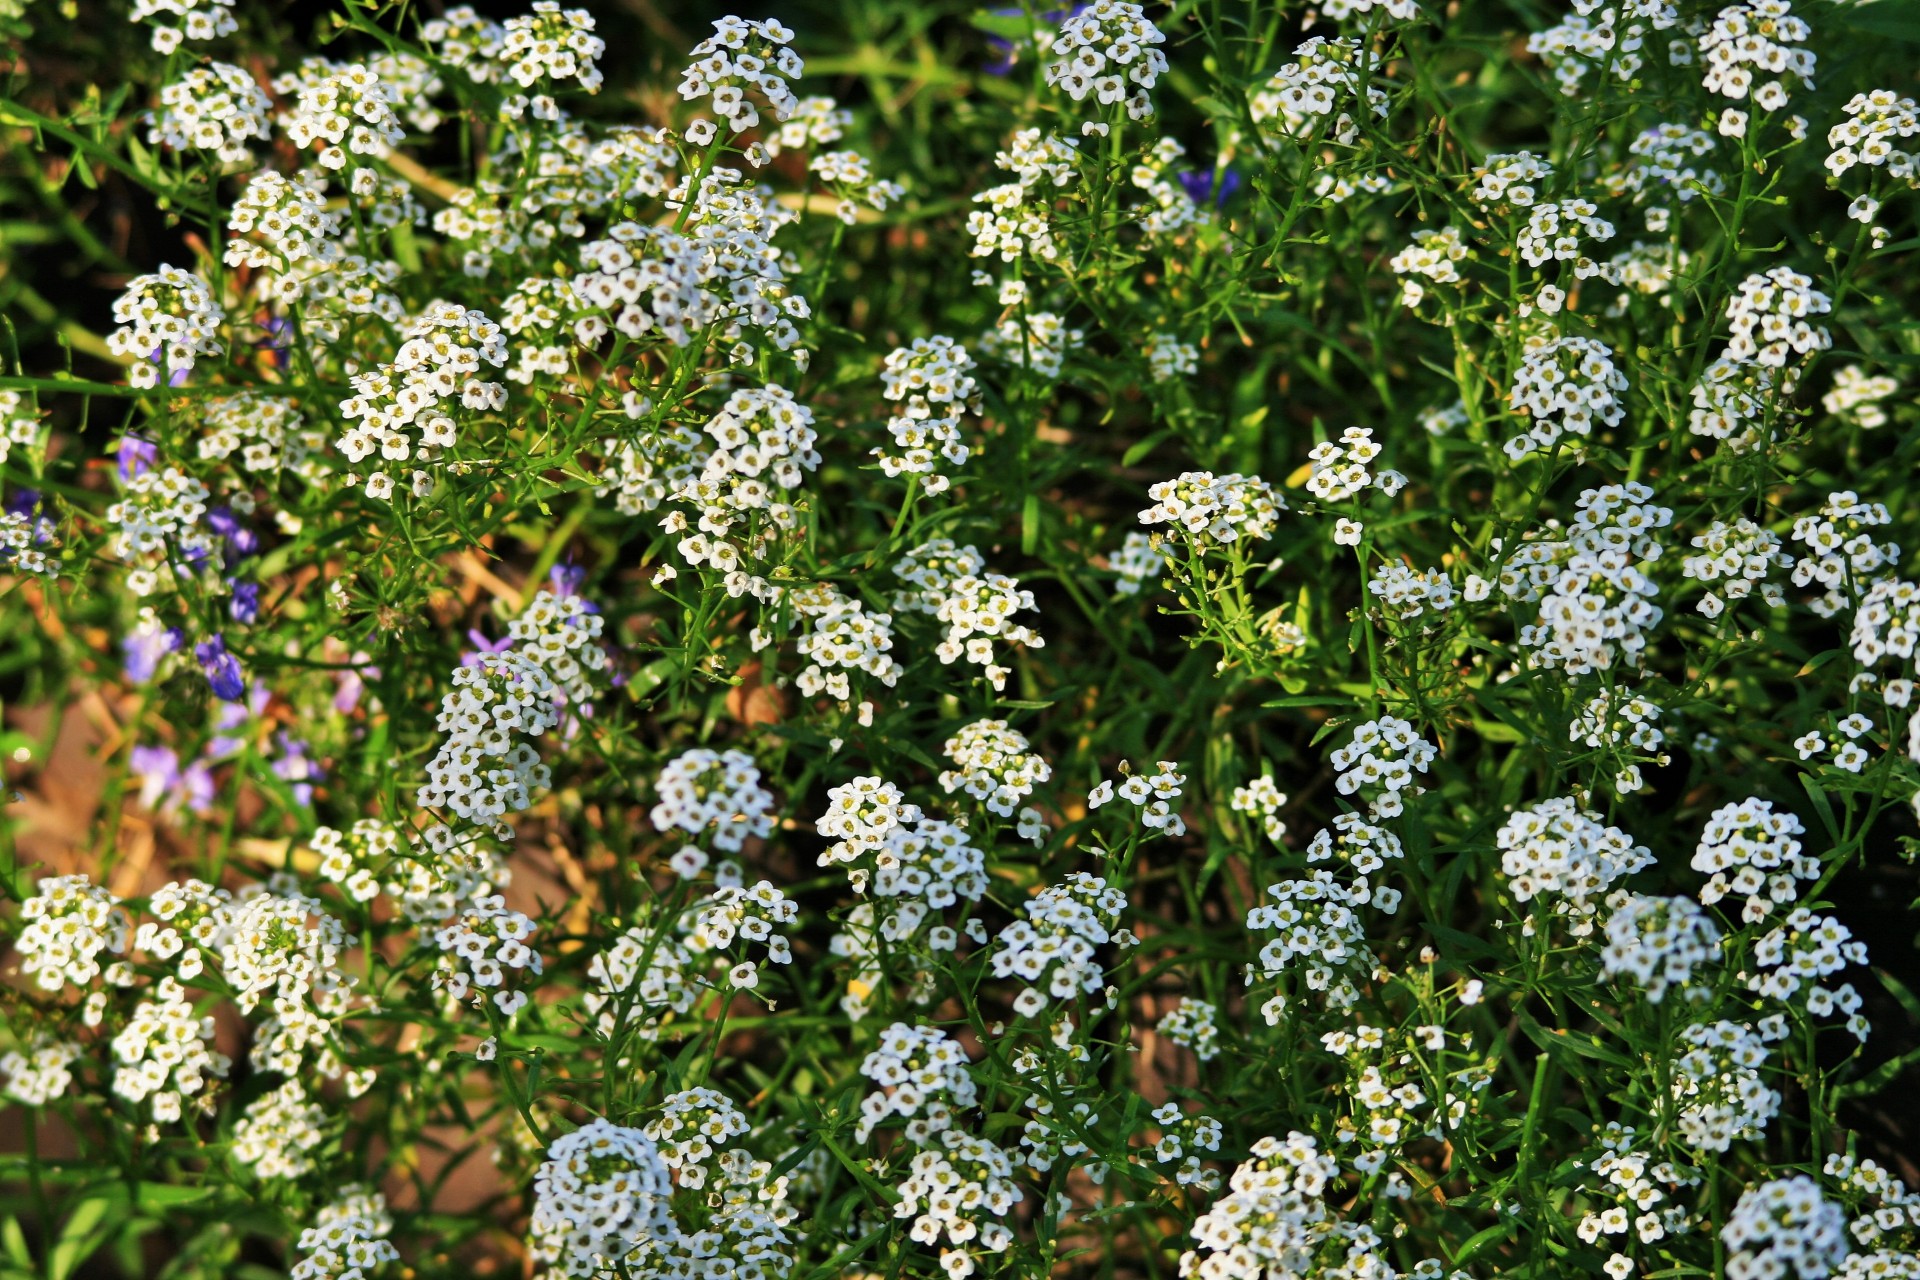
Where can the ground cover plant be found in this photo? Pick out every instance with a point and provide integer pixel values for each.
(1223, 640)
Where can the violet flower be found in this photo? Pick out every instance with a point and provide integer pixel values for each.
(164, 785)
(145, 646)
(245, 605)
(137, 456)
(229, 683)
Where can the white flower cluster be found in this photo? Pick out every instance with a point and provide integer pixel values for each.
(690, 1123)
(547, 47)
(1856, 396)
(1321, 87)
(843, 637)
(932, 382)
(1193, 1024)
(561, 633)
(1581, 42)
(1379, 763)
(158, 507)
(1639, 1185)
(860, 815)
(215, 108)
(438, 362)
(1803, 948)
(1318, 918)
(963, 1192)
(1892, 1221)
(1152, 793)
(1433, 256)
(39, 1070)
(1734, 559)
(1717, 1085)
(1665, 164)
(1841, 554)
(763, 446)
(285, 949)
(484, 945)
(739, 58)
(1215, 511)
(1168, 358)
(1317, 925)
(267, 431)
(278, 1131)
(165, 1053)
(714, 794)
(1408, 593)
(644, 978)
(923, 1077)
(1769, 318)
(1056, 945)
(1356, 844)
(545, 318)
(70, 921)
(850, 176)
(1261, 799)
(977, 606)
(1554, 231)
(1184, 1137)
(1039, 341)
(1510, 178)
(601, 1202)
(1657, 943)
(1273, 1218)
(348, 1238)
(1749, 848)
(1016, 220)
(1784, 1230)
(24, 543)
(993, 765)
(199, 20)
(1103, 46)
(1564, 856)
(1138, 562)
(1866, 137)
(814, 122)
(1338, 471)
(1565, 385)
(1612, 721)
(283, 225)
(485, 769)
(1596, 602)
(166, 320)
(1749, 41)
(736, 912)
(342, 111)
(1388, 1076)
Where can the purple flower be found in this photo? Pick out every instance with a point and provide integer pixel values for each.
(164, 785)
(245, 605)
(1006, 53)
(145, 645)
(346, 696)
(297, 768)
(136, 456)
(1201, 188)
(175, 377)
(222, 668)
(241, 540)
(483, 646)
(23, 502)
(279, 340)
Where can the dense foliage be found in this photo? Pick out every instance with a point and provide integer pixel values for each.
(1230, 640)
